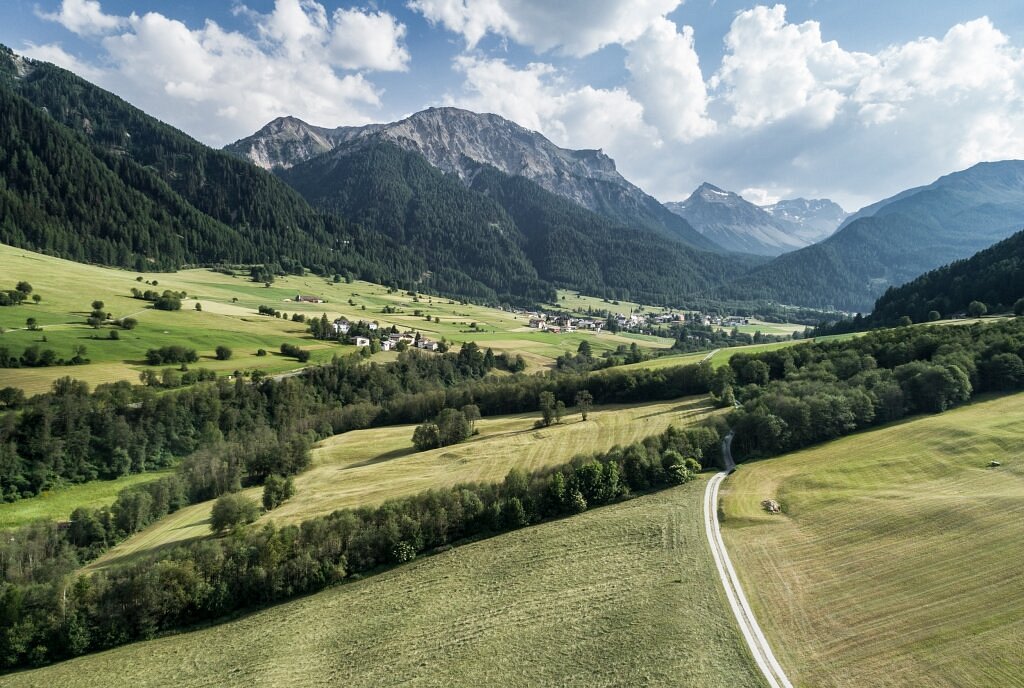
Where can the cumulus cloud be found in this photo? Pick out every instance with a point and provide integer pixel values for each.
(774, 69)
(371, 40)
(219, 84)
(575, 27)
(666, 79)
(54, 53)
(538, 97)
(84, 17)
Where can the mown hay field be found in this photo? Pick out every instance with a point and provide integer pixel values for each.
(624, 595)
(898, 558)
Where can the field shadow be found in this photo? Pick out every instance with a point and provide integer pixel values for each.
(381, 458)
(675, 409)
(129, 557)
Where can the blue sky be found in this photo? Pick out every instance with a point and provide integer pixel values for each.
(826, 98)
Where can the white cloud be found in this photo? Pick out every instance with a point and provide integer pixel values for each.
(539, 98)
(774, 69)
(219, 84)
(54, 53)
(373, 40)
(666, 79)
(760, 196)
(84, 17)
(575, 27)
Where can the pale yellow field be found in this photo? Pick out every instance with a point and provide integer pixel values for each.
(367, 467)
(898, 559)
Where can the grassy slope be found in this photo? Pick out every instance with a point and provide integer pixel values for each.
(898, 559)
(69, 288)
(367, 467)
(57, 505)
(622, 595)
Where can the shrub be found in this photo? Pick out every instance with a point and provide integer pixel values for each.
(231, 511)
(129, 323)
(223, 353)
(976, 309)
(276, 491)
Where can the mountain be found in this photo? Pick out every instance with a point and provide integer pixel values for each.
(994, 276)
(501, 230)
(458, 142)
(738, 225)
(86, 176)
(894, 241)
(816, 218)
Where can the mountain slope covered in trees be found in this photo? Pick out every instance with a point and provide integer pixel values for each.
(916, 231)
(89, 177)
(994, 277)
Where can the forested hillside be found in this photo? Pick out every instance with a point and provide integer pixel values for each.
(506, 232)
(993, 277)
(574, 247)
(894, 241)
(396, 193)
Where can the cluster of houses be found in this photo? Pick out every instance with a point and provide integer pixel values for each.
(561, 322)
(342, 327)
(637, 321)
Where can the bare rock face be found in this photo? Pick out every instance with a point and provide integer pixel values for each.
(459, 141)
(738, 225)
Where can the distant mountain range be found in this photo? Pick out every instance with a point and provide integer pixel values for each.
(734, 223)
(893, 241)
(818, 217)
(458, 142)
(457, 202)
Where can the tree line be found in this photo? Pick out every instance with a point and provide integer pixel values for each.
(256, 565)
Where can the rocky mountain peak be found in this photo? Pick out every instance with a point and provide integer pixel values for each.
(459, 141)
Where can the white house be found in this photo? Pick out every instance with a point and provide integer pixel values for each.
(341, 326)
(362, 341)
(387, 345)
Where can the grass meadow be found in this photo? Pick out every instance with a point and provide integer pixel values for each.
(897, 560)
(57, 504)
(624, 595)
(368, 467)
(229, 317)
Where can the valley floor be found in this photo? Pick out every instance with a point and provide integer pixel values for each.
(622, 595)
(897, 560)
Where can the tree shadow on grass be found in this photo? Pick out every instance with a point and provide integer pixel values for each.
(381, 458)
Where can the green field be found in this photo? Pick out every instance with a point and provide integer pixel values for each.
(624, 595)
(898, 559)
(229, 317)
(57, 505)
(367, 467)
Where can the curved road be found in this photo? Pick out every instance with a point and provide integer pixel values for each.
(756, 641)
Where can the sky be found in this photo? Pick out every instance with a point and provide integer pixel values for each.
(842, 99)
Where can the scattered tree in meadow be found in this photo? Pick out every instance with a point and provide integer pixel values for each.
(976, 309)
(232, 510)
(223, 353)
(277, 490)
(546, 404)
(584, 401)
